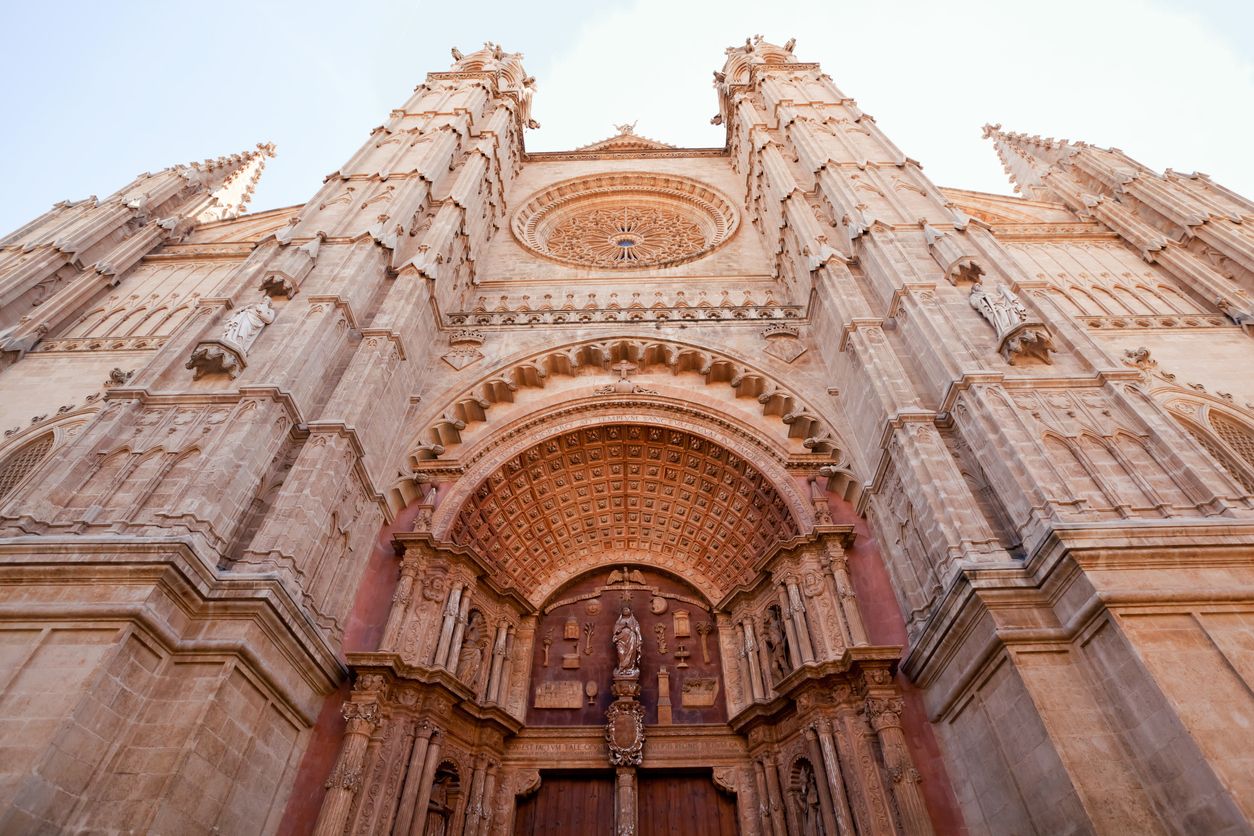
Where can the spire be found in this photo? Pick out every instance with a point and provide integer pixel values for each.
(237, 178)
(1027, 159)
(1192, 228)
(82, 247)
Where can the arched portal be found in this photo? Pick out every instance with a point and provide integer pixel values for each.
(626, 594)
(601, 494)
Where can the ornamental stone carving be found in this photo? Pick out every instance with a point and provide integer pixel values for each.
(625, 221)
(227, 353)
(1017, 336)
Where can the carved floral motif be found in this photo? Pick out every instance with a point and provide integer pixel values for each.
(625, 221)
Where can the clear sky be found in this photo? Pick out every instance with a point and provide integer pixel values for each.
(98, 92)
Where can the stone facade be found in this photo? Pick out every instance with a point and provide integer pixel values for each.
(310, 518)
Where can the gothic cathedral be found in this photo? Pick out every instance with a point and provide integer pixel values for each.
(767, 489)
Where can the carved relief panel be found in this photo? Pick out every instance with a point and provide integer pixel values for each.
(573, 657)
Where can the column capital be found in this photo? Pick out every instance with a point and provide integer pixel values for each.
(361, 716)
(884, 712)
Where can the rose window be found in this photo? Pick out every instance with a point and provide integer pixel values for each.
(625, 221)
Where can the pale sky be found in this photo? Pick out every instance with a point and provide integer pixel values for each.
(98, 92)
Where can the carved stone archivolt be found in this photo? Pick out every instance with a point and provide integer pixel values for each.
(627, 220)
(457, 418)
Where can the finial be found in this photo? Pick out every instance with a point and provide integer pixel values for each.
(627, 128)
(789, 44)
(457, 54)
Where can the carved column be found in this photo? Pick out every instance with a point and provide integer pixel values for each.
(764, 664)
(400, 604)
(501, 697)
(820, 775)
(866, 777)
(744, 659)
(751, 656)
(474, 799)
(838, 606)
(798, 608)
(498, 658)
(625, 801)
(791, 811)
(413, 778)
(520, 663)
(394, 773)
(790, 628)
(459, 628)
(885, 716)
(345, 779)
(425, 781)
(838, 565)
(764, 801)
(775, 799)
(451, 606)
(831, 766)
(488, 801)
(372, 776)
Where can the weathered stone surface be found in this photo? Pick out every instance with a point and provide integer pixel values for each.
(955, 489)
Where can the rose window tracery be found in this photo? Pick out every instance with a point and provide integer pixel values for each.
(625, 221)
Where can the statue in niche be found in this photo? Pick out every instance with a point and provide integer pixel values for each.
(627, 643)
(808, 801)
(776, 645)
(242, 328)
(470, 657)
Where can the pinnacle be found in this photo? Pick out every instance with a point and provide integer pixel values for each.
(262, 151)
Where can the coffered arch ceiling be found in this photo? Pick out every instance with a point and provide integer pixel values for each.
(591, 495)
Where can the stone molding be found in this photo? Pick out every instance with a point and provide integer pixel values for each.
(199, 592)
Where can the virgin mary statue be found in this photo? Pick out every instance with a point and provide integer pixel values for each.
(627, 643)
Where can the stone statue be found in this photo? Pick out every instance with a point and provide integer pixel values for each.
(808, 796)
(1018, 336)
(471, 655)
(999, 306)
(627, 643)
(242, 328)
(776, 645)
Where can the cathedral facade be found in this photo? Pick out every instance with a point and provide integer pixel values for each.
(767, 489)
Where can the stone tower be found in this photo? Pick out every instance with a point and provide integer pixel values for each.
(769, 488)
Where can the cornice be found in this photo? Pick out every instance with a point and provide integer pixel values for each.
(198, 591)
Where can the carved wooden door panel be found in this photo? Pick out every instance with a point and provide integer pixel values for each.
(684, 803)
(568, 804)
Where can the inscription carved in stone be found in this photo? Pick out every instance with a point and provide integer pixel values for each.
(564, 693)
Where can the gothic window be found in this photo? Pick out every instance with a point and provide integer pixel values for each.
(19, 464)
(1237, 436)
(1229, 442)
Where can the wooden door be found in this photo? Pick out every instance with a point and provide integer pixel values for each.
(568, 803)
(684, 803)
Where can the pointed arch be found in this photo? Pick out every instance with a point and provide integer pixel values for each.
(19, 464)
(1076, 475)
(1228, 440)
